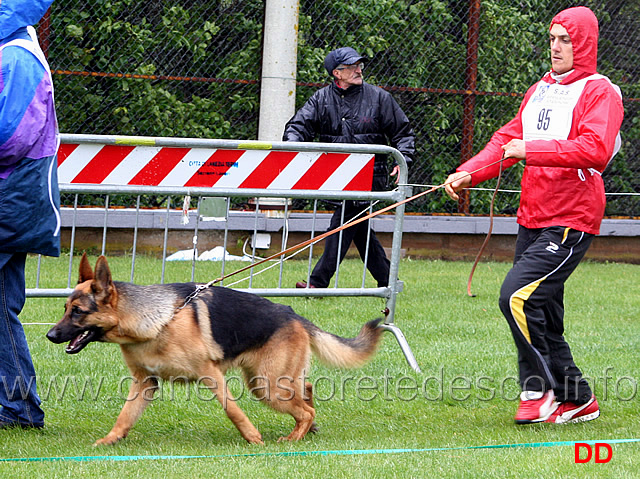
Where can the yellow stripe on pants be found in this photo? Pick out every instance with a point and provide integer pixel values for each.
(517, 307)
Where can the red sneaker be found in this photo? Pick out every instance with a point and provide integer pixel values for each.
(569, 412)
(535, 406)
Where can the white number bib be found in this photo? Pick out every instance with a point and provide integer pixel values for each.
(548, 114)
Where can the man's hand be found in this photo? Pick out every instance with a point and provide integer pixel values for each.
(394, 172)
(456, 182)
(515, 149)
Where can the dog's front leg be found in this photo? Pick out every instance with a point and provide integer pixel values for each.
(140, 394)
(214, 379)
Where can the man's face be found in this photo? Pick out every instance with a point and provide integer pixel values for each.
(561, 49)
(348, 75)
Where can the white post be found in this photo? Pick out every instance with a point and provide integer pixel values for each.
(280, 53)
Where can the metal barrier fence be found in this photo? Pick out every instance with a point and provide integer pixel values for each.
(172, 219)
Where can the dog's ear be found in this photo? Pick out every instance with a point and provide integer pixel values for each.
(102, 285)
(86, 273)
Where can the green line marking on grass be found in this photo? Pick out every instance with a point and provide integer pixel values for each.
(353, 452)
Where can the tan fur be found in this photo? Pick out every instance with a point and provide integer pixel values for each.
(159, 340)
(331, 351)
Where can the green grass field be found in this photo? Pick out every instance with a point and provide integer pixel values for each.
(464, 397)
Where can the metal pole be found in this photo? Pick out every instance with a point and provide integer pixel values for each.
(104, 228)
(166, 237)
(469, 102)
(72, 241)
(135, 239)
(279, 59)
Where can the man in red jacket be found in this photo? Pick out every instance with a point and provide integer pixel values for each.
(567, 130)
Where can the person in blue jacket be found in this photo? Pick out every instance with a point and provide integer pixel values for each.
(29, 197)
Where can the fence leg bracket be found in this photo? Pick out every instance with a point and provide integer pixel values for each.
(404, 345)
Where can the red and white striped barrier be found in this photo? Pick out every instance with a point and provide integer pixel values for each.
(206, 167)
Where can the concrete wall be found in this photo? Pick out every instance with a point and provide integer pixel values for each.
(433, 237)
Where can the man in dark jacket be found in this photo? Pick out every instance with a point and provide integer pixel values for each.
(29, 199)
(352, 111)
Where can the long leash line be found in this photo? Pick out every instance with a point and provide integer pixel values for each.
(373, 203)
(488, 237)
(315, 239)
(324, 453)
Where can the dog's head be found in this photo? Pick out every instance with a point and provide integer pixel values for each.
(89, 312)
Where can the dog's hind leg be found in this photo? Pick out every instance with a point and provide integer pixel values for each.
(213, 378)
(299, 407)
(277, 378)
(286, 393)
(140, 394)
(308, 387)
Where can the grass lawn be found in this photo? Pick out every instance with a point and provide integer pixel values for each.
(465, 396)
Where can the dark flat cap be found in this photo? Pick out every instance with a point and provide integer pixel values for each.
(341, 56)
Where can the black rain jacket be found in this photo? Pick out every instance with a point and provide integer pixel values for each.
(363, 114)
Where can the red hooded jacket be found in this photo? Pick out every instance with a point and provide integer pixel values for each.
(562, 183)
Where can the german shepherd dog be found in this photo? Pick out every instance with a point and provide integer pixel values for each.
(164, 335)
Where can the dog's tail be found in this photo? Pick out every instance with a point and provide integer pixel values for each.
(346, 352)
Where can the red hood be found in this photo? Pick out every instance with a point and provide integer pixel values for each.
(582, 26)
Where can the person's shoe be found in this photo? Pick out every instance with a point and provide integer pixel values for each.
(303, 284)
(535, 406)
(569, 412)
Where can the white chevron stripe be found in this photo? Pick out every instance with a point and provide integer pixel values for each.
(346, 172)
(187, 167)
(294, 171)
(131, 165)
(247, 162)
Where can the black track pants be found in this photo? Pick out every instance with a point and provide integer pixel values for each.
(377, 262)
(532, 301)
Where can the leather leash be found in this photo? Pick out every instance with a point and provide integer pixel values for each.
(486, 239)
(315, 239)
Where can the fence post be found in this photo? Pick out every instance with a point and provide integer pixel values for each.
(280, 54)
(469, 101)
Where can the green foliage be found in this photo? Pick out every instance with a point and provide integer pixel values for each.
(138, 46)
(192, 69)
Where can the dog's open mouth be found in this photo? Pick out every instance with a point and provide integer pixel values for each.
(78, 343)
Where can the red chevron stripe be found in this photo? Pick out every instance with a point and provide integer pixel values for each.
(102, 164)
(363, 181)
(214, 168)
(64, 151)
(318, 173)
(268, 169)
(159, 166)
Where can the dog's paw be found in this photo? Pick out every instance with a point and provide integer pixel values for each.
(108, 440)
(286, 439)
(293, 437)
(255, 439)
